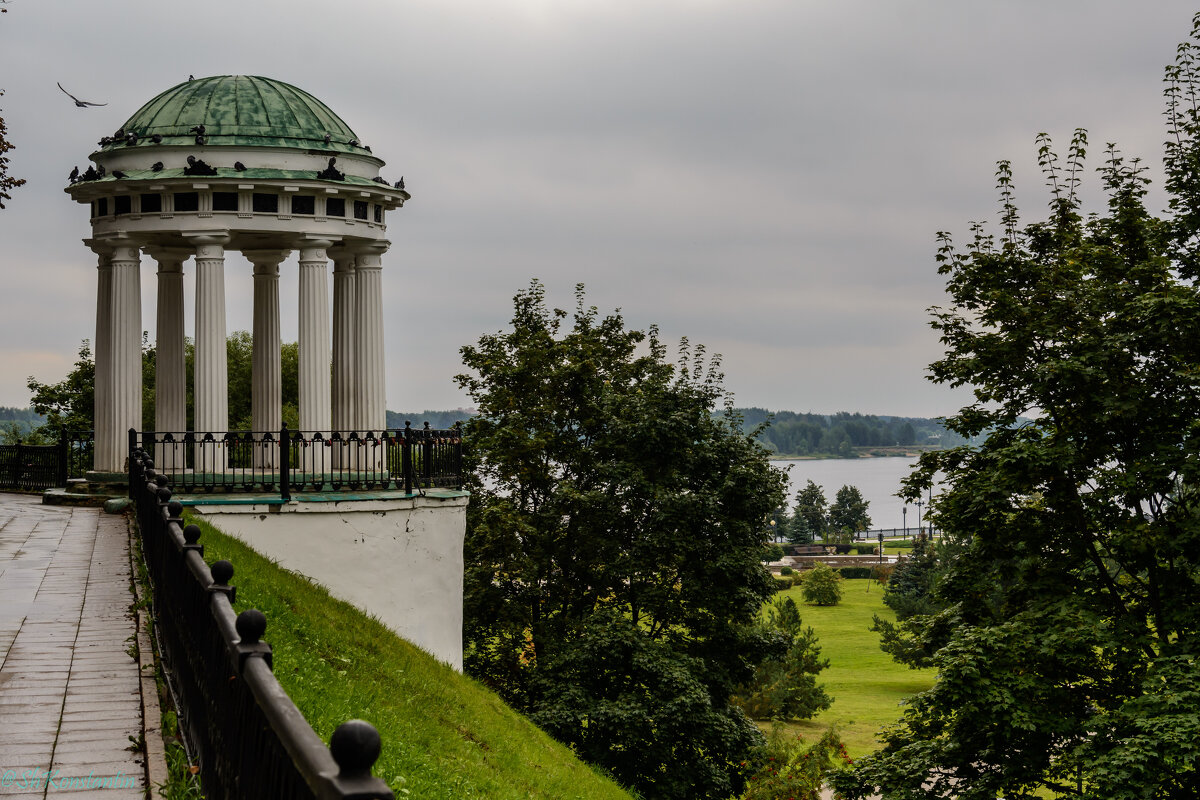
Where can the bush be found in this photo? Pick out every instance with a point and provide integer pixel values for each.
(783, 582)
(821, 585)
(865, 549)
(786, 571)
(783, 767)
(851, 573)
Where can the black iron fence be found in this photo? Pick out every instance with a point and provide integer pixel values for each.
(29, 467)
(285, 461)
(243, 732)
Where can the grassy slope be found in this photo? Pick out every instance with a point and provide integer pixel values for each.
(444, 735)
(865, 684)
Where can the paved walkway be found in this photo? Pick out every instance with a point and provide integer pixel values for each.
(69, 690)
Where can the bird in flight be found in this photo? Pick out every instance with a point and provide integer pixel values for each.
(79, 103)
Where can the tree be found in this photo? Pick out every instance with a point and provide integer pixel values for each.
(1067, 651)
(613, 578)
(785, 687)
(821, 585)
(849, 511)
(810, 507)
(7, 182)
(69, 405)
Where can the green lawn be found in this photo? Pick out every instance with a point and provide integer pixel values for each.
(444, 735)
(866, 685)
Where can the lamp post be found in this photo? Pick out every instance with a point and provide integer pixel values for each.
(904, 515)
(880, 546)
(919, 504)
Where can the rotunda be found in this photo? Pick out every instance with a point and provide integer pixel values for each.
(254, 165)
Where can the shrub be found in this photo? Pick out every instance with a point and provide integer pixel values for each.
(782, 582)
(783, 767)
(851, 573)
(821, 585)
(786, 571)
(865, 549)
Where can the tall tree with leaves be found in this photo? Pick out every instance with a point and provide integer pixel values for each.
(613, 579)
(7, 182)
(849, 511)
(809, 517)
(1068, 652)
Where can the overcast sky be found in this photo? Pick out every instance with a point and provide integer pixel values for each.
(762, 177)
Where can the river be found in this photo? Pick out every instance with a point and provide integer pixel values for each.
(877, 478)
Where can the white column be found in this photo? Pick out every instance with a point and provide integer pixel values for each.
(106, 437)
(345, 407)
(170, 379)
(370, 369)
(315, 411)
(210, 378)
(266, 391)
(125, 350)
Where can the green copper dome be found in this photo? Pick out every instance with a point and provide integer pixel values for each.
(240, 110)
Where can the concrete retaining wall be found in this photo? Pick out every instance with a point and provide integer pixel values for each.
(398, 559)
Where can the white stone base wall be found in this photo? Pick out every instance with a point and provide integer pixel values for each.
(400, 560)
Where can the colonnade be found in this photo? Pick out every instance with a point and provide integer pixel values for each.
(353, 399)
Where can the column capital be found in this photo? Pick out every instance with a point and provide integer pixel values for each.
(313, 248)
(266, 262)
(373, 248)
(170, 259)
(126, 251)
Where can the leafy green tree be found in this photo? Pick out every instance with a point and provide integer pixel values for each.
(613, 578)
(849, 511)
(1070, 643)
(822, 586)
(7, 182)
(811, 510)
(785, 687)
(68, 405)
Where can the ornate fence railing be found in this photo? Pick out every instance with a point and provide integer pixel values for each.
(31, 467)
(285, 461)
(242, 730)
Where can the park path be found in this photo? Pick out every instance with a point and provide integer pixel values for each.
(70, 697)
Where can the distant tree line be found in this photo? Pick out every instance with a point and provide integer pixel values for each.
(796, 434)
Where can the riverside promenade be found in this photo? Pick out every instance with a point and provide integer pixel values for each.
(70, 697)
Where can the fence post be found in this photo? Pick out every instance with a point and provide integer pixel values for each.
(458, 453)
(406, 457)
(426, 457)
(285, 467)
(62, 458)
(129, 461)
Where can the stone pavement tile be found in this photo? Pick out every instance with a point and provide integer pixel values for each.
(29, 754)
(97, 754)
(12, 700)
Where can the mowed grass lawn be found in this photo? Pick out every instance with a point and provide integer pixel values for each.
(866, 685)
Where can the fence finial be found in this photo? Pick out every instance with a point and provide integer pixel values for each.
(191, 534)
(222, 572)
(251, 624)
(355, 746)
